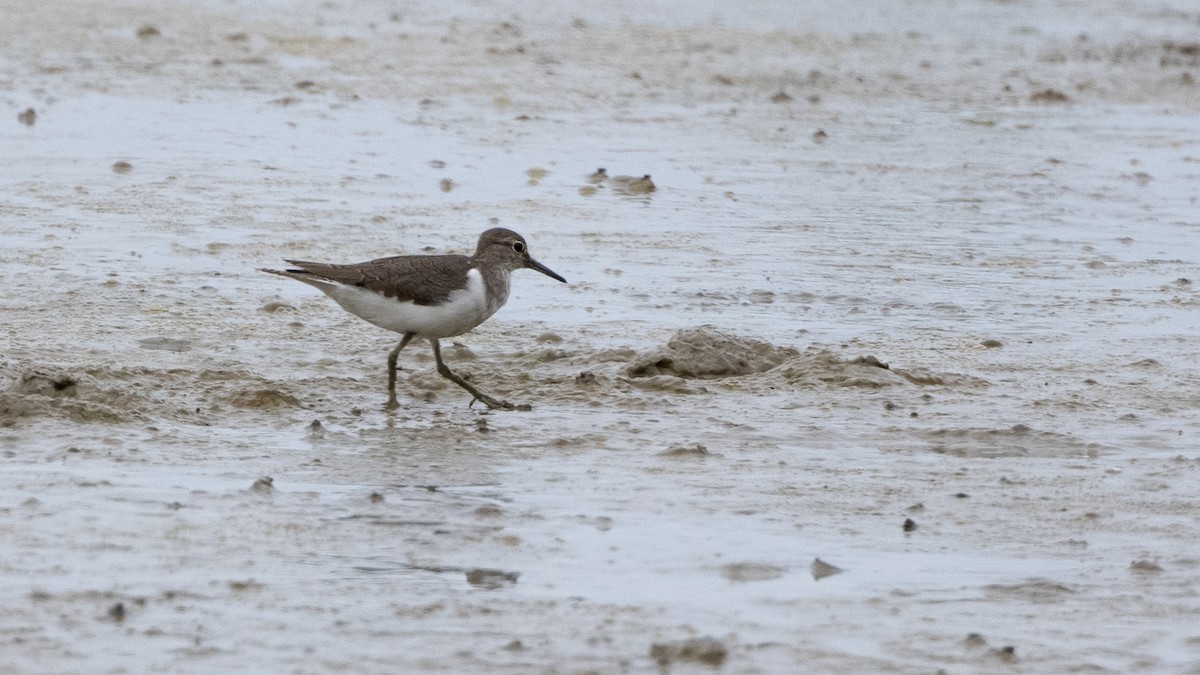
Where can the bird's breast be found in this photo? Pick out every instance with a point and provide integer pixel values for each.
(497, 288)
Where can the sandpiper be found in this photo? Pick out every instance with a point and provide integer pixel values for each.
(426, 296)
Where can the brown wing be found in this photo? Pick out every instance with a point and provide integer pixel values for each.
(423, 279)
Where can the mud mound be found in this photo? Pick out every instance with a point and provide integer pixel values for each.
(820, 366)
(262, 398)
(708, 353)
(40, 392)
(49, 383)
(115, 395)
(1016, 441)
(1040, 591)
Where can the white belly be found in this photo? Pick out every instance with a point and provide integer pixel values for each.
(465, 309)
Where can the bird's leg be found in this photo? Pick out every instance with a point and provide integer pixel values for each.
(395, 354)
(444, 371)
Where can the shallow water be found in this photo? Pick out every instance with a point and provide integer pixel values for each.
(1022, 274)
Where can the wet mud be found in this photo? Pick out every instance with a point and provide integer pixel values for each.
(890, 367)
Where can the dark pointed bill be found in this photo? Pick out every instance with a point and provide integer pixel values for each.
(535, 265)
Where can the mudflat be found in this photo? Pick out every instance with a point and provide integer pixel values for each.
(879, 352)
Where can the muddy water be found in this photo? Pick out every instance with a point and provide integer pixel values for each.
(914, 295)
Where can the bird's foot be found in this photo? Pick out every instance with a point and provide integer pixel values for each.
(391, 404)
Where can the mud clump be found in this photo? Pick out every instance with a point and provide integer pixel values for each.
(491, 579)
(14, 408)
(821, 569)
(1145, 567)
(52, 384)
(707, 650)
(272, 307)
(628, 185)
(706, 353)
(693, 450)
(1007, 654)
(44, 392)
(667, 384)
(1016, 441)
(1039, 591)
(820, 366)
(264, 485)
(263, 399)
(750, 571)
(1049, 96)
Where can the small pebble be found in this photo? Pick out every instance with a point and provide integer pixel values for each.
(821, 569)
(1006, 654)
(1145, 567)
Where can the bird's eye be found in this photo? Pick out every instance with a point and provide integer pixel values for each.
(519, 246)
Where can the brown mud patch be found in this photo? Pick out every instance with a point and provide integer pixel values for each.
(76, 396)
(705, 352)
(1016, 441)
(865, 181)
(133, 395)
